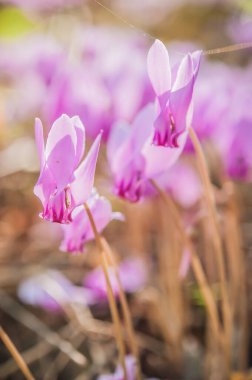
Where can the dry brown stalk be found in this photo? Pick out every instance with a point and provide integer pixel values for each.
(111, 298)
(216, 240)
(16, 355)
(196, 264)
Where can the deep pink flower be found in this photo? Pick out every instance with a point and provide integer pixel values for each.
(174, 91)
(77, 233)
(134, 160)
(133, 275)
(63, 184)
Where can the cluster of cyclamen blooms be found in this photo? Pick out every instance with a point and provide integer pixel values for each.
(148, 148)
(99, 94)
(51, 289)
(137, 153)
(118, 89)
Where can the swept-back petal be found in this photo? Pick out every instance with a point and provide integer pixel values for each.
(125, 143)
(61, 162)
(142, 127)
(184, 74)
(62, 127)
(39, 138)
(101, 211)
(61, 151)
(158, 65)
(187, 70)
(82, 186)
(45, 186)
(118, 137)
(81, 138)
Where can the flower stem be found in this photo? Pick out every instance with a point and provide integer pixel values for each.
(111, 298)
(209, 196)
(16, 355)
(196, 264)
(125, 308)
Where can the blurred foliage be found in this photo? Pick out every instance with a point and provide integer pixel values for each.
(13, 22)
(246, 6)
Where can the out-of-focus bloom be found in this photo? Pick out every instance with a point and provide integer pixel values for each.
(77, 233)
(225, 120)
(133, 276)
(210, 112)
(134, 160)
(102, 94)
(35, 70)
(63, 184)
(183, 183)
(43, 57)
(130, 362)
(238, 157)
(232, 140)
(174, 90)
(240, 29)
(52, 290)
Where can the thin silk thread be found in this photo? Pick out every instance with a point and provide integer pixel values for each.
(225, 49)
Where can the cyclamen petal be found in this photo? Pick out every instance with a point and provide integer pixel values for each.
(159, 159)
(61, 185)
(39, 138)
(82, 186)
(184, 73)
(158, 65)
(80, 134)
(60, 151)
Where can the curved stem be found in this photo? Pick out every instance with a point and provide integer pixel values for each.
(125, 308)
(111, 298)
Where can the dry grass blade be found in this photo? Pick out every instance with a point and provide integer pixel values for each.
(16, 355)
(112, 302)
(20, 314)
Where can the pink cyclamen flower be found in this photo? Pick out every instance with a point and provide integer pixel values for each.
(134, 160)
(64, 183)
(77, 233)
(174, 91)
(51, 290)
(183, 184)
(133, 275)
